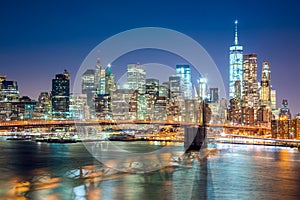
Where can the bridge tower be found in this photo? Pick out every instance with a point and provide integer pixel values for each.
(194, 136)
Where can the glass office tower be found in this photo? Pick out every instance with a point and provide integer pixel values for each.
(235, 66)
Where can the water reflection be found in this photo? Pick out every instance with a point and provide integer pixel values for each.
(41, 186)
(70, 172)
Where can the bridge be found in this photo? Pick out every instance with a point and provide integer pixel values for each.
(61, 123)
(194, 133)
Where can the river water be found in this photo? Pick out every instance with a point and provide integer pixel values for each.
(30, 170)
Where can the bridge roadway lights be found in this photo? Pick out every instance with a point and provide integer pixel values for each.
(194, 138)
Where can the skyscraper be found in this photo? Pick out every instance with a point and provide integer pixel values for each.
(109, 81)
(160, 108)
(61, 96)
(250, 101)
(152, 87)
(103, 106)
(102, 84)
(9, 97)
(265, 92)
(99, 78)
(88, 86)
(273, 100)
(25, 108)
(164, 90)
(9, 91)
(43, 107)
(2, 78)
(175, 86)
(142, 107)
(152, 93)
(250, 83)
(136, 77)
(214, 95)
(284, 110)
(78, 106)
(184, 72)
(124, 104)
(202, 88)
(235, 65)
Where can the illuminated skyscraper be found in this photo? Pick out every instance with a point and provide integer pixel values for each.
(103, 106)
(99, 78)
(43, 107)
(175, 86)
(124, 104)
(9, 91)
(164, 90)
(109, 81)
(235, 65)
(2, 78)
(25, 108)
(160, 108)
(250, 101)
(136, 77)
(152, 87)
(61, 96)
(184, 72)
(9, 99)
(97, 72)
(273, 100)
(152, 92)
(78, 106)
(102, 89)
(214, 95)
(284, 110)
(250, 83)
(265, 92)
(142, 107)
(88, 86)
(136, 80)
(202, 88)
(176, 101)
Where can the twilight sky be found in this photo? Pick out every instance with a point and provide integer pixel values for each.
(42, 38)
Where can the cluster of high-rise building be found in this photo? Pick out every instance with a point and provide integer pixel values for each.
(101, 98)
(286, 127)
(250, 102)
(53, 105)
(144, 98)
(11, 105)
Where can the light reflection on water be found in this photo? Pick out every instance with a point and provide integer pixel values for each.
(67, 171)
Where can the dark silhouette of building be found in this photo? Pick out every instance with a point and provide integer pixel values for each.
(61, 96)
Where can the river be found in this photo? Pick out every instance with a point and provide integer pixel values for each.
(30, 170)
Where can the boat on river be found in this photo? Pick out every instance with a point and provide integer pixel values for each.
(56, 140)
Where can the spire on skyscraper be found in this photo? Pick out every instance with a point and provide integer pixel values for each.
(236, 40)
(235, 66)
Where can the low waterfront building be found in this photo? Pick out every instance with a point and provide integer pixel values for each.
(286, 128)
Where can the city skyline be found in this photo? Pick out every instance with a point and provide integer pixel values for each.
(54, 50)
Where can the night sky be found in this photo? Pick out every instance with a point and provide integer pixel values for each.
(42, 38)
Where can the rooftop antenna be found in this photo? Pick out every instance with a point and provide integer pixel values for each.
(236, 41)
